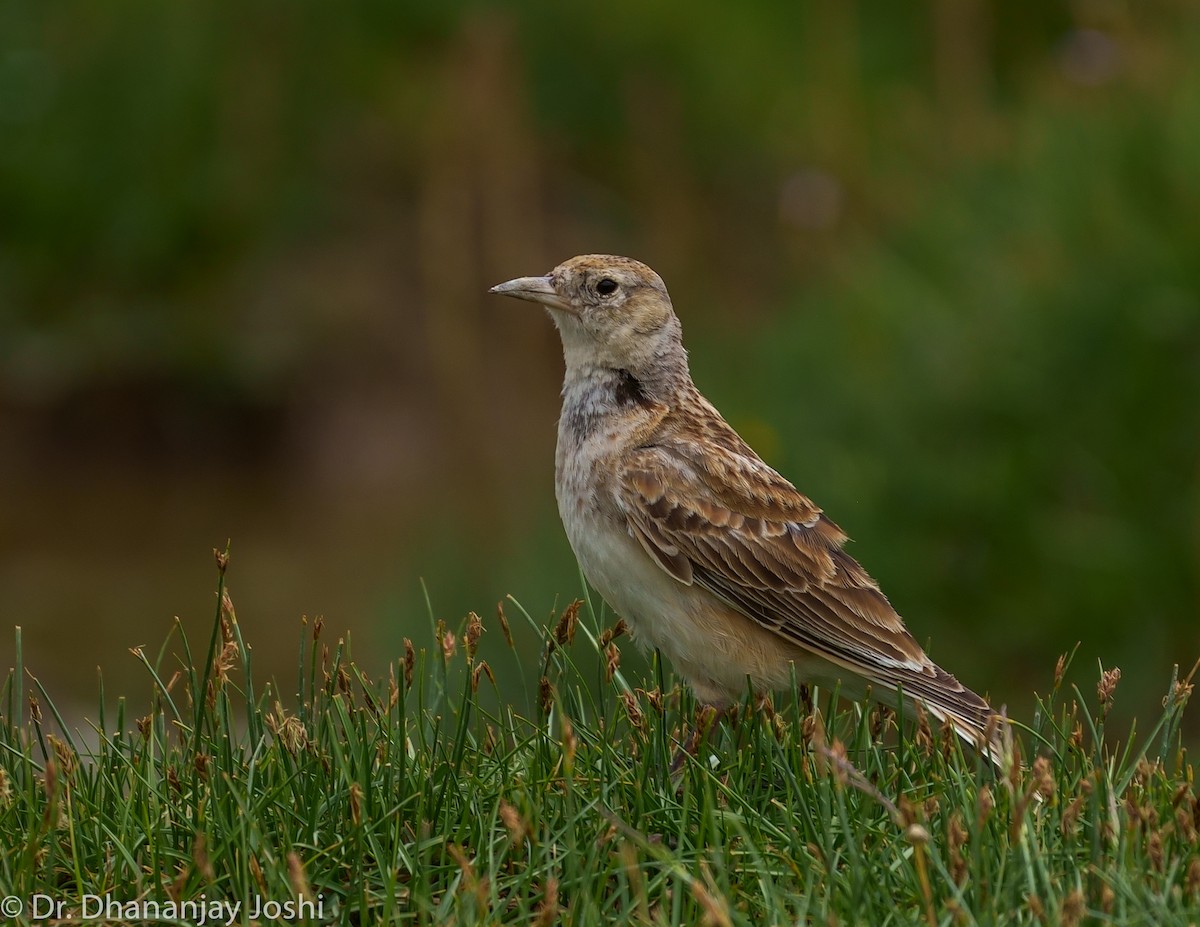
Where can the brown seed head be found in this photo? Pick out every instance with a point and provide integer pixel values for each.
(298, 877)
(564, 631)
(881, 716)
(1043, 777)
(1073, 908)
(257, 874)
(570, 743)
(636, 716)
(548, 910)
(956, 841)
(504, 628)
(611, 634)
(481, 668)
(449, 645)
(287, 729)
(1106, 687)
(67, 761)
(984, 804)
(410, 660)
(517, 826)
(1154, 849)
(1070, 818)
(924, 738)
(1191, 882)
(473, 633)
(612, 661)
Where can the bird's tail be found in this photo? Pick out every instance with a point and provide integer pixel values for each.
(949, 701)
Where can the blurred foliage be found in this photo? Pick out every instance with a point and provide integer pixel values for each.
(940, 262)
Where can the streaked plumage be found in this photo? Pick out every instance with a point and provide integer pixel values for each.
(706, 551)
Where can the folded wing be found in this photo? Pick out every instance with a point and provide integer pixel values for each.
(733, 526)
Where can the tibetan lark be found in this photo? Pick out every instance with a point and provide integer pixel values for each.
(707, 552)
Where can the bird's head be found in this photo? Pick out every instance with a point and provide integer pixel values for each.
(611, 312)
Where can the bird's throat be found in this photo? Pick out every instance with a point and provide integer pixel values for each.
(603, 399)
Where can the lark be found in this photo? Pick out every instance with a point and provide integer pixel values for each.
(708, 553)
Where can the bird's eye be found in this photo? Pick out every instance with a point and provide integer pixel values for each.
(606, 287)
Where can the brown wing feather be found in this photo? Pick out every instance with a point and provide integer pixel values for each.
(730, 524)
(749, 537)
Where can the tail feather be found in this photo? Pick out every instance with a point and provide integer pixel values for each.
(948, 700)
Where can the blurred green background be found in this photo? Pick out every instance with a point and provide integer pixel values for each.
(939, 263)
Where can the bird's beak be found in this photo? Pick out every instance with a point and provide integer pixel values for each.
(535, 290)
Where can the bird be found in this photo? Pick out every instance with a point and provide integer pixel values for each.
(707, 552)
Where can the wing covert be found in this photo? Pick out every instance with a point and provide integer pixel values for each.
(732, 525)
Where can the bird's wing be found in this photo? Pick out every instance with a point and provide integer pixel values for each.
(732, 525)
(719, 518)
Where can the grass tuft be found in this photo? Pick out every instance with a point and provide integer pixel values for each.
(422, 797)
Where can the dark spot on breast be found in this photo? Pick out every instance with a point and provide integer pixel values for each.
(628, 391)
(578, 421)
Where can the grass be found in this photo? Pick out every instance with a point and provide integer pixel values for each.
(424, 798)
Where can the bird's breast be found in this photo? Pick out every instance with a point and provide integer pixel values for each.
(601, 418)
(584, 466)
